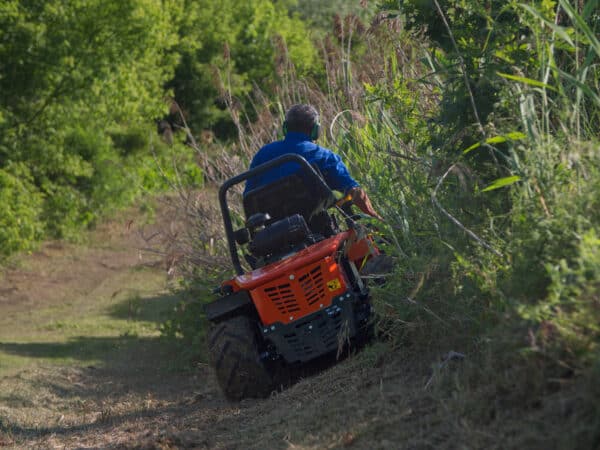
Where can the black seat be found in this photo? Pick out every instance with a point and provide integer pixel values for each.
(288, 196)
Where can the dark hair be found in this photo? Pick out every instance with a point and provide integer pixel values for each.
(301, 118)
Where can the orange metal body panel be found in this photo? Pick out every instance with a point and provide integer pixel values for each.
(263, 275)
(295, 295)
(360, 251)
(304, 283)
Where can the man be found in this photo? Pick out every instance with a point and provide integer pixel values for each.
(301, 129)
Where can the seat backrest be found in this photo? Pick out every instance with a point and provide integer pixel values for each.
(285, 197)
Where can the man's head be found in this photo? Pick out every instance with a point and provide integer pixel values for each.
(302, 119)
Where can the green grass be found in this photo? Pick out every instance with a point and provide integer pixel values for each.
(89, 329)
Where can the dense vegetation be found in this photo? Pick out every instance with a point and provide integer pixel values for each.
(473, 125)
(82, 83)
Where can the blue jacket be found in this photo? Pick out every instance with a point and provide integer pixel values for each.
(331, 166)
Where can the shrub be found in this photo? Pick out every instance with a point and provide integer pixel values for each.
(20, 209)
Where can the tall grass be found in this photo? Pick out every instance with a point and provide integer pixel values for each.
(507, 265)
(497, 256)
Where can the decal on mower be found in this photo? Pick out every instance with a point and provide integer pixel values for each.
(334, 284)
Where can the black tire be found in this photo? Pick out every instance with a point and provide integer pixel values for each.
(234, 353)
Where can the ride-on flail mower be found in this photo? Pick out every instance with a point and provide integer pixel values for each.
(302, 297)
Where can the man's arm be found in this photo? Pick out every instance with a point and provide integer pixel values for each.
(361, 199)
(338, 178)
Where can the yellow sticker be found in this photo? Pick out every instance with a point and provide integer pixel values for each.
(334, 285)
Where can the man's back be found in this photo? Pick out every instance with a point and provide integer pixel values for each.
(328, 163)
(301, 128)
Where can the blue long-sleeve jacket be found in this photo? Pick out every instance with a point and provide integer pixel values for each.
(330, 164)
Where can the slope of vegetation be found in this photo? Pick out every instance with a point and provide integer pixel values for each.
(473, 125)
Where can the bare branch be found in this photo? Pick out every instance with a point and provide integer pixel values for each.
(454, 220)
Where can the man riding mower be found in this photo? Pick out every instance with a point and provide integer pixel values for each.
(302, 296)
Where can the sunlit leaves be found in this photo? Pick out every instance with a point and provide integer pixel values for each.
(514, 136)
(70, 70)
(501, 182)
(226, 48)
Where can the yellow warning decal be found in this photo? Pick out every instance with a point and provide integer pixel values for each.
(334, 285)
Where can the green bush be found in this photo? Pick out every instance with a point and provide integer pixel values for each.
(70, 71)
(20, 209)
(83, 83)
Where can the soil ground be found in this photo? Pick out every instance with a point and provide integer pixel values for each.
(82, 365)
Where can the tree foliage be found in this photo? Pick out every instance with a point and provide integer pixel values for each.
(82, 82)
(72, 73)
(227, 47)
(321, 15)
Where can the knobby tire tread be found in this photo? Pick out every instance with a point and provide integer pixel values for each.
(215, 334)
(234, 353)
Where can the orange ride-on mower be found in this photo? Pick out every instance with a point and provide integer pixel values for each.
(302, 297)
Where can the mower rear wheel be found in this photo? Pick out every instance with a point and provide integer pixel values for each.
(234, 353)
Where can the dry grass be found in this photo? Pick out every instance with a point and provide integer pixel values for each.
(376, 399)
(71, 379)
(79, 338)
(193, 238)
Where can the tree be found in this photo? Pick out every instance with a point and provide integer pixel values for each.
(71, 73)
(230, 46)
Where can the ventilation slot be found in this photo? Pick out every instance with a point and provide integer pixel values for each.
(312, 285)
(283, 298)
(300, 348)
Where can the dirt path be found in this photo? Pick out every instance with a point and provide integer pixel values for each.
(79, 341)
(82, 366)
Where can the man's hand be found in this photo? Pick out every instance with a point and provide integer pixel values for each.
(361, 199)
